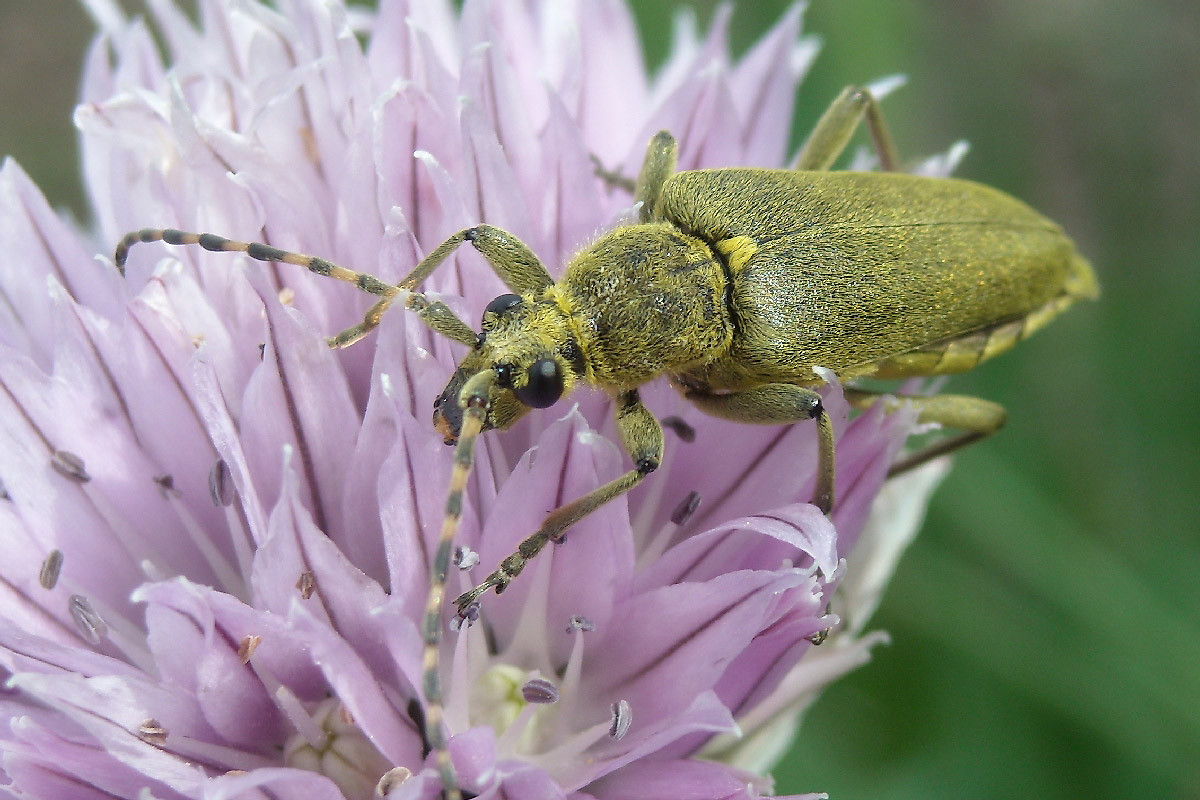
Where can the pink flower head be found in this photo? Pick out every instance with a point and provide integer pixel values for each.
(217, 532)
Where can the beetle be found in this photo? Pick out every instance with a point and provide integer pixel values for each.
(738, 284)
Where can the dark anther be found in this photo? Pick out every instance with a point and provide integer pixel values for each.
(539, 691)
(681, 429)
(220, 484)
(89, 623)
(466, 615)
(166, 486)
(70, 466)
(686, 508)
(51, 569)
(622, 719)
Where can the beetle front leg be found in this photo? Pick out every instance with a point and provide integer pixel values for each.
(975, 417)
(659, 163)
(642, 437)
(510, 258)
(774, 404)
(835, 127)
(662, 155)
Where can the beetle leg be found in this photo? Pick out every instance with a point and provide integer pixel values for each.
(835, 127)
(510, 258)
(658, 165)
(772, 404)
(642, 437)
(975, 417)
(612, 177)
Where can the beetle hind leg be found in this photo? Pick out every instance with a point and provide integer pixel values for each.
(976, 418)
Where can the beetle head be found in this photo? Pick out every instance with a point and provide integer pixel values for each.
(527, 344)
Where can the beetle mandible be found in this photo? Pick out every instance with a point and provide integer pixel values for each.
(736, 283)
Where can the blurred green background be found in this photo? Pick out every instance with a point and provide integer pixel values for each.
(1046, 624)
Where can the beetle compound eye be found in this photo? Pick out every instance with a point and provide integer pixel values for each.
(502, 304)
(543, 386)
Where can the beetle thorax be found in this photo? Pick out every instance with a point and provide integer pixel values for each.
(645, 300)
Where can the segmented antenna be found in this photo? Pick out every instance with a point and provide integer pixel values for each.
(474, 394)
(435, 735)
(265, 252)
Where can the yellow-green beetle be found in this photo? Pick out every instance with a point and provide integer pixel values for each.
(737, 284)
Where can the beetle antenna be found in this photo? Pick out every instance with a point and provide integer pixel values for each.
(474, 397)
(435, 314)
(256, 250)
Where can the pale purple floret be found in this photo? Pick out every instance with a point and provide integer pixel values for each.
(245, 518)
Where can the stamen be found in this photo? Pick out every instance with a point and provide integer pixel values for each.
(51, 569)
(247, 647)
(686, 508)
(166, 486)
(305, 725)
(90, 624)
(220, 484)
(226, 572)
(539, 691)
(152, 731)
(466, 617)
(622, 719)
(465, 557)
(4, 495)
(658, 543)
(391, 780)
(70, 466)
(97, 618)
(307, 584)
(572, 674)
(236, 758)
(684, 431)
